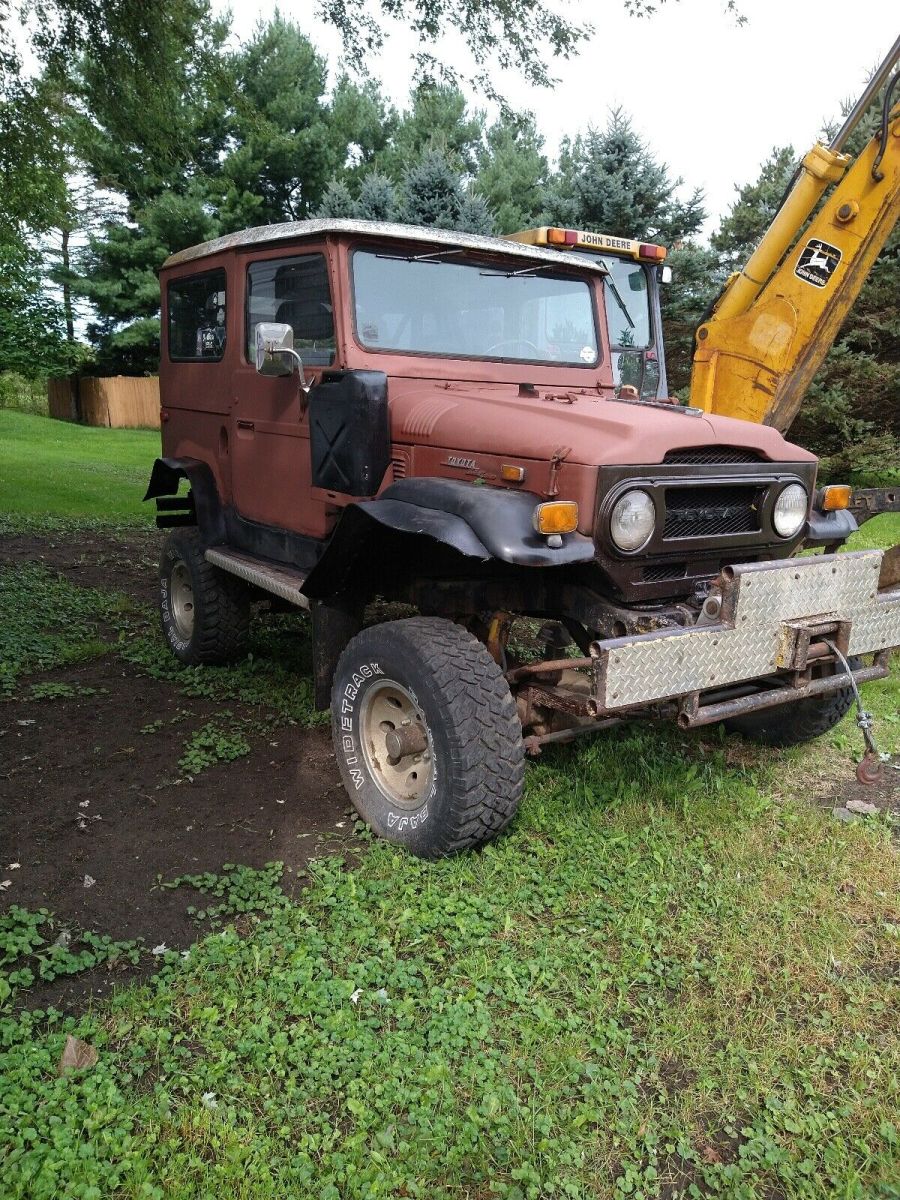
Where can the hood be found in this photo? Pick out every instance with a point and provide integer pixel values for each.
(501, 420)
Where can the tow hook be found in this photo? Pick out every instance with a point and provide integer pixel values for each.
(870, 767)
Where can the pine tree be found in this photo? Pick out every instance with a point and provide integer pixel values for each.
(474, 214)
(337, 201)
(751, 214)
(438, 118)
(377, 198)
(434, 194)
(608, 180)
(282, 146)
(431, 192)
(697, 277)
(363, 126)
(119, 272)
(512, 171)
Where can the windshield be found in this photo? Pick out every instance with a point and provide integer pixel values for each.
(627, 305)
(436, 305)
(627, 300)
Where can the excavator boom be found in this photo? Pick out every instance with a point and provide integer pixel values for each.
(775, 321)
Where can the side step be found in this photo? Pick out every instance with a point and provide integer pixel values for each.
(280, 580)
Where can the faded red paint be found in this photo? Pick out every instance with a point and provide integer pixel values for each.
(254, 432)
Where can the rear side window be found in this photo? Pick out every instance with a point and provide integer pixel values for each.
(293, 291)
(197, 317)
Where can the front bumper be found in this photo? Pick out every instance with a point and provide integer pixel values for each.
(773, 618)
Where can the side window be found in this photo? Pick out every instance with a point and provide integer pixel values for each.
(293, 291)
(197, 317)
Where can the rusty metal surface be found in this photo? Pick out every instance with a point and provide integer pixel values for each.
(890, 569)
(561, 699)
(866, 503)
(758, 598)
(548, 666)
(289, 231)
(708, 714)
(535, 742)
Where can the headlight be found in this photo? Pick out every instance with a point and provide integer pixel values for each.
(790, 510)
(632, 520)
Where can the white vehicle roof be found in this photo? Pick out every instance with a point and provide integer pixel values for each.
(266, 235)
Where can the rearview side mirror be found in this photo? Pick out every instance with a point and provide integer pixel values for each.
(275, 353)
(665, 274)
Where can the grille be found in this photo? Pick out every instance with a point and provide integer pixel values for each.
(400, 463)
(664, 572)
(710, 511)
(711, 456)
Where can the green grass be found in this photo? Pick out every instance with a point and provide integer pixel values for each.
(659, 976)
(878, 534)
(46, 622)
(72, 471)
(674, 975)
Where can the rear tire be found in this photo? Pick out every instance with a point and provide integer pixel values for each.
(794, 724)
(204, 611)
(427, 737)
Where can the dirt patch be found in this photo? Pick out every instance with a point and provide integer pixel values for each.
(884, 793)
(124, 562)
(86, 795)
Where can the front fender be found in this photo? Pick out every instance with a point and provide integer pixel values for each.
(499, 518)
(490, 524)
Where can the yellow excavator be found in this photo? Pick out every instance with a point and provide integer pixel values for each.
(767, 333)
(775, 320)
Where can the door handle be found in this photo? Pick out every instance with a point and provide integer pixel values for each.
(245, 424)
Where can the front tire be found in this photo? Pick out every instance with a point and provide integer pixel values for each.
(204, 611)
(794, 724)
(427, 736)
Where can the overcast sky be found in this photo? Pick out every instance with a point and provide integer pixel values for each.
(711, 98)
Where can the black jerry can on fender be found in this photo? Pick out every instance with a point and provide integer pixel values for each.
(349, 432)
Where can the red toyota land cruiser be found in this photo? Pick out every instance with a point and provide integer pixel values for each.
(369, 411)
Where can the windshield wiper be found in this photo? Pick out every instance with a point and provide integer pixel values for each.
(434, 256)
(532, 270)
(615, 292)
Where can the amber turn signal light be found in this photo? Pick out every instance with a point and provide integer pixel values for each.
(556, 516)
(652, 253)
(512, 474)
(562, 237)
(835, 496)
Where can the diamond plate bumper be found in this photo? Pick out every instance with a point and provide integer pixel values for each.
(756, 632)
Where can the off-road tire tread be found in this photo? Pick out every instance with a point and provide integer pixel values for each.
(484, 728)
(792, 725)
(221, 609)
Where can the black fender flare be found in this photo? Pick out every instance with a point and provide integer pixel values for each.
(829, 528)
(165, 479)
(486, 523)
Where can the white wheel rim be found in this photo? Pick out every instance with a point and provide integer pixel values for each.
(181, 600)
(389, 709)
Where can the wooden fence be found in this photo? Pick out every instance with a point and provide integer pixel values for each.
(122, 401)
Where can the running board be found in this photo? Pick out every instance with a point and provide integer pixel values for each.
(281, 581)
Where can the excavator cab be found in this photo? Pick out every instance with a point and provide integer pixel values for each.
(631, 288)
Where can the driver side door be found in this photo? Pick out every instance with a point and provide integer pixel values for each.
(271, 467)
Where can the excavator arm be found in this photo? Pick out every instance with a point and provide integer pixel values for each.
(775, 321)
